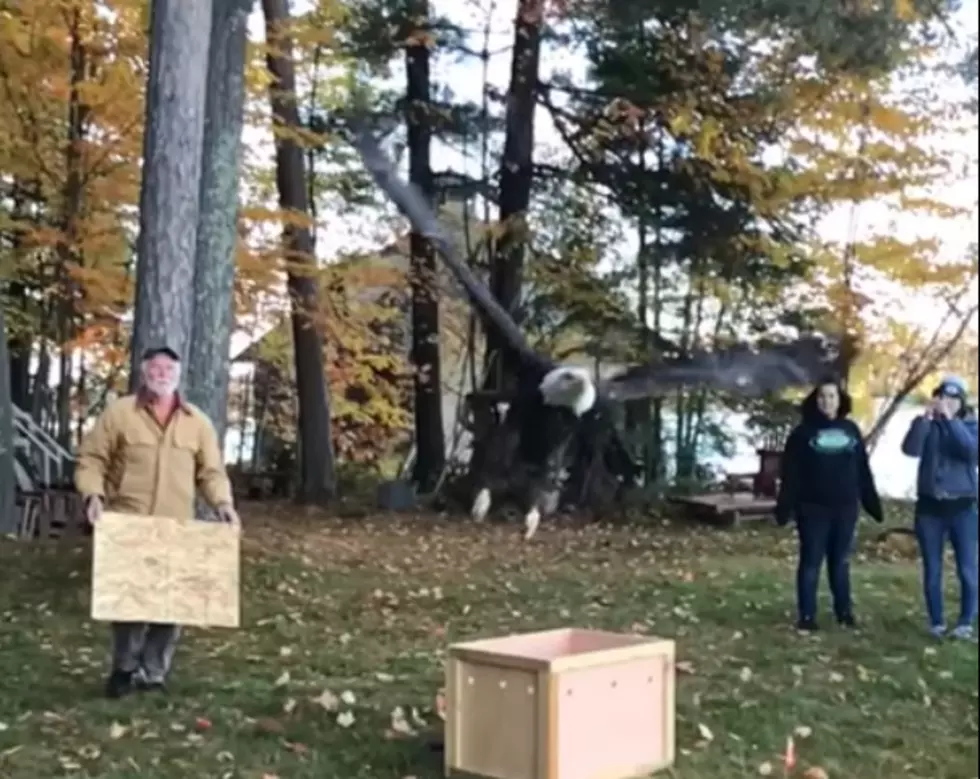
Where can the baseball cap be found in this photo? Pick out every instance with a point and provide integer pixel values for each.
(153, 351)
(952, 386)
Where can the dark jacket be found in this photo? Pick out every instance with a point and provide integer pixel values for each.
(947, 452)
(825, 463)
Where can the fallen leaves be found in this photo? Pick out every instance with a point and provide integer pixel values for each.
(345, 719)
(400, 726)
(327, 701)
(741, 674)
(706, 735)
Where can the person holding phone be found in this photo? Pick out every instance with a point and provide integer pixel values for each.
(944, 439)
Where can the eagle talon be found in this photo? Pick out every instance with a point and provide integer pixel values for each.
(531, 521)
(481, 506)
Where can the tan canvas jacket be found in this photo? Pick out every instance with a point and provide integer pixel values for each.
(139, 467)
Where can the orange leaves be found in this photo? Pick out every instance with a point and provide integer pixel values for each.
(72, 77)
(363, 320)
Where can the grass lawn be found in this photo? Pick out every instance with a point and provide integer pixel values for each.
(364, 610)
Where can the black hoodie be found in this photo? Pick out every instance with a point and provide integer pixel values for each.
(825, 463)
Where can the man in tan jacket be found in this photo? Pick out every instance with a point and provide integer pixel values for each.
(150, 453)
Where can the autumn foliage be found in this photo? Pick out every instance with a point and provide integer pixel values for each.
(72, 82)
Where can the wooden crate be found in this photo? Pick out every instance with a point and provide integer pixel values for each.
(560, 704)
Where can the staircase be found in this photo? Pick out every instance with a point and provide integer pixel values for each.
(44, 463)
(48, 506)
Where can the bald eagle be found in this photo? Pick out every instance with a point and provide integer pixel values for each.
(551, 400)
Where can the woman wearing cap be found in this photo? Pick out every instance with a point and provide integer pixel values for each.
(944, 439)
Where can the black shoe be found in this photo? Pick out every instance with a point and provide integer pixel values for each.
(118, 684)
(847, 621)
(807, 625)
(141, 683)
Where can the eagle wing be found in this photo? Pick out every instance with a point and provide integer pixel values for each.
(413, 205)
(741, 370)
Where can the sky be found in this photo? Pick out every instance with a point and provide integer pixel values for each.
(338, 233)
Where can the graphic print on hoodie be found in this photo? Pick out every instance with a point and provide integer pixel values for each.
(825, 462)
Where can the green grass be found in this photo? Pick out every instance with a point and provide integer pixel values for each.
(334, 605)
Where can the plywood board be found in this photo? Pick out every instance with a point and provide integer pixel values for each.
(159, 569)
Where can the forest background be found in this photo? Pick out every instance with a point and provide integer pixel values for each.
(634, 180)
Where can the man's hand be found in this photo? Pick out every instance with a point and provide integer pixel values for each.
(227, 514)
(93, 509)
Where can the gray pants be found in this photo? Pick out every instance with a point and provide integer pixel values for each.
(146, 649)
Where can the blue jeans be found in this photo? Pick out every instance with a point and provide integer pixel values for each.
(932, 531)
(825, 534)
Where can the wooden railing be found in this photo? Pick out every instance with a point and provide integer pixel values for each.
(51, 513)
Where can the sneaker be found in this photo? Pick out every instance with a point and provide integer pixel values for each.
(118, 684)
(807, 625)
(847, 621)
(937, 631)
(963, 632)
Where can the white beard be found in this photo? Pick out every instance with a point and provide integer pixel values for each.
(160, 389)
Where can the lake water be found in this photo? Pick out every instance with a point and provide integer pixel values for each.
(894, 472)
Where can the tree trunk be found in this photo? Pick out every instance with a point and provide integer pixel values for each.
(217, 228)
(72, 204)
(170, 189)
(429, 434)
(20, 346)
(9, 518)
(516, 176)
(317, 469)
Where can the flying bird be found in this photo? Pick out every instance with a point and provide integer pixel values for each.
(552, 400)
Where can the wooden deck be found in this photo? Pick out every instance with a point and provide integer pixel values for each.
(727, 508)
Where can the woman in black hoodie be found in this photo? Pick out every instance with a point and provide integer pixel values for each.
(825, 480)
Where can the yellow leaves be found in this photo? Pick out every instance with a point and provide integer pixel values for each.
(905, 10)
(39, 85)
(306, 139)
